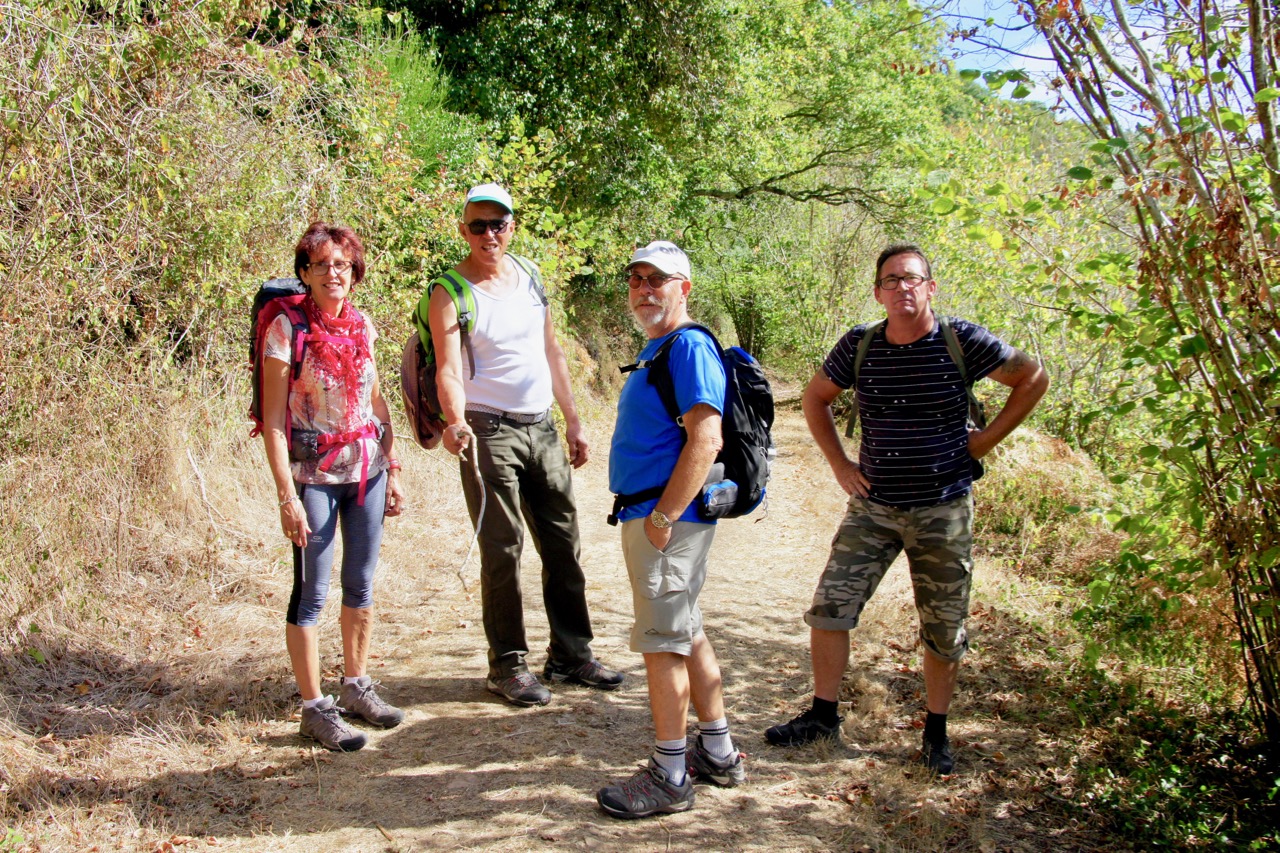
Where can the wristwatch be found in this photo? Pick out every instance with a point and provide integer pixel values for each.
(659, 519)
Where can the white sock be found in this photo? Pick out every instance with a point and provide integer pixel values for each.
(715, 738)
(311, 703)
(361, 680)
(669, 755)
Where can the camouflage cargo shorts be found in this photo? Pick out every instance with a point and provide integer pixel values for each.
(939, 545)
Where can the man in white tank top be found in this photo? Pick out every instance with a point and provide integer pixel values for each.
(501, 409)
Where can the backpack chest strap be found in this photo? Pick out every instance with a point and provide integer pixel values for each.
(331, 443)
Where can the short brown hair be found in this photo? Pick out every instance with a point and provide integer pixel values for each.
(902, 249)
(319, 234)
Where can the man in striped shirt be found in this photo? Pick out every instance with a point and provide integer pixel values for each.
(910, 487)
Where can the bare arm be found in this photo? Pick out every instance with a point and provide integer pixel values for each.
(819, 394)
(1029, 381)
(579, 451)
(395, 496)
(275, 399)
(702, 424)
(446, 338)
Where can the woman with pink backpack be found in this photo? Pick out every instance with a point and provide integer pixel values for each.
(327, 431)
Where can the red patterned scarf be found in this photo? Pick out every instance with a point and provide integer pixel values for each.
(334, 362)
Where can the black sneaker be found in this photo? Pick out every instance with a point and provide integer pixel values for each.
(520, 689)
(803, 729)
(590, 674)
(938, 756)
(704, 767)
(646, 793)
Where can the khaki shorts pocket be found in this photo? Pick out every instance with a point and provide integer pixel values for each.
(660, 575)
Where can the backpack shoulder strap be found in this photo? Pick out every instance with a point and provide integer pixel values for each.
(860, 356)
(660, 370)
(864, 345)
(534, 274)
(977, 412)
(953, 347)
(464, 301)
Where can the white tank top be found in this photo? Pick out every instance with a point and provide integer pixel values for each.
(509, 340)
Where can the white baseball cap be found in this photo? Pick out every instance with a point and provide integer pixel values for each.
(490, 192)
(664, 256)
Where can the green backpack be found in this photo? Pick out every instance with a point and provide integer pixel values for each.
(418, 358)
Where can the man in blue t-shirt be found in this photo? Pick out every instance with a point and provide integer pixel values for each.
(658, 469)
(909, 489)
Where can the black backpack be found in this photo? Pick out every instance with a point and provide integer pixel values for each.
(748, 451)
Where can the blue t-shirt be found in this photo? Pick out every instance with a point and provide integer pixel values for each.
(914, 411)
(646, 442)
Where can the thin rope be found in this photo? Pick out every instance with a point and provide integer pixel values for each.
(484, 500)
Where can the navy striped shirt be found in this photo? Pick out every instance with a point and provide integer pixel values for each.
(914, 412)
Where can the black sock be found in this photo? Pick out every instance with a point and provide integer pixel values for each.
(825, 710)
(935, 727)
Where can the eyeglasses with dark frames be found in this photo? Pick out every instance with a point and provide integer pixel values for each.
(891, 282)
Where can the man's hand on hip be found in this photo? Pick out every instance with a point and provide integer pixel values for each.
(981, 442)
(850, 477)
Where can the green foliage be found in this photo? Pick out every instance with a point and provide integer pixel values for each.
(790, 278)
(615, 80)
(1178, 780)
(436, 137)
(12, 841)
(1193, 167)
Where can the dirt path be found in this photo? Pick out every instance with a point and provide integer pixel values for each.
(465, 770)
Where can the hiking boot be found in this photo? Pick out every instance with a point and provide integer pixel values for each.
(803, 729)
(323, 723)
(590, 674)
(648, 792)
(520, 689)
(938, 756)
(363, 702)
(704, 767)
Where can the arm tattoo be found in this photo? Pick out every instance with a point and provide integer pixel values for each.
(1014, 364)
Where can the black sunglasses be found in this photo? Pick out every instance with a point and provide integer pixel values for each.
(480, 226)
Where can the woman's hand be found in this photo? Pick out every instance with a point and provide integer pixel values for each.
(293, 520)
(395, 495)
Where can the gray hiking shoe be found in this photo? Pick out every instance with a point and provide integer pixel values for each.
(520, 689)
(648, 792)
(704, 767)
(363, 702)
(590, 674)
(323, 723)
